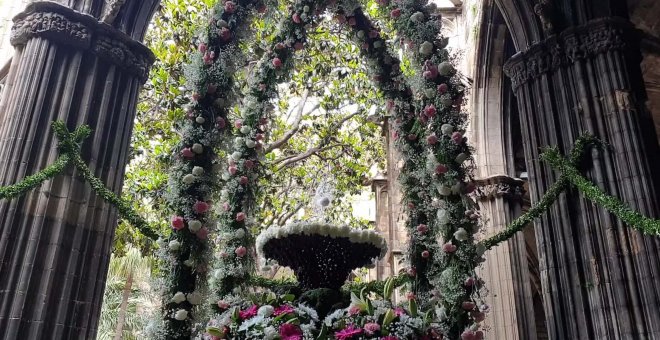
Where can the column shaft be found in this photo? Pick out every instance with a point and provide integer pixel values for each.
(55, 242)
(600, 278)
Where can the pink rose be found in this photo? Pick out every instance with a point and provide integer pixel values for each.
(296, 18)
(441, 169)
(230, 7)
(225, 206)
(238, 123)
(468, 305)
(249, 164)
(220, 122)
(443, 88)
(224, 34)
(243, 180)
(382, 2)
(298, 46)
(469, 282)
(203, 233)
(371, 328)
(422, 229)
(354, 310)
(187, 153)
(277, 62)
(395, 13)
(457, 137)
(208, 58)
(232, 169)
(178, 222)
(412, 271)
(223, 304)
(202, 48)
(430, 110)
(426, 254)
(240, 217)
(449, 247)
(200, 207)
(240, 251)
(196, 97)
(432, 139)
(411, 296)
(352, 21)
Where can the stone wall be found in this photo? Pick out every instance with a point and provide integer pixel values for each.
(8, 8)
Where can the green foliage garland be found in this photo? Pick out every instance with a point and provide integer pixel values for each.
(69, 146)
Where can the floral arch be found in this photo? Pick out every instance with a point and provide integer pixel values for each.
(428, 128)
(218, 161)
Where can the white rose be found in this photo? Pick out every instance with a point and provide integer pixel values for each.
(161, 243)
(447, 129)
(226, 176)
(236, 155)
(444, 190)
(250, 143)
(188, 179)
(445, 68)
(426, 48)
(189, 263)
(198, 170)
(417, 17)
(240, 233)
(266, 311)
(175, 245)
(200, 120)
(238, 141)
(197, 148)
(270, 333)
(181, 314)
(178, 297)
(194, 298)
(245, 130)
(462, 157)
(461, 234)
(194, 225)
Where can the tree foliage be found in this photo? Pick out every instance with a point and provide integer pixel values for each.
(322, 125)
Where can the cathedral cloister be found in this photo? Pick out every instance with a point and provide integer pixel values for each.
(539, 73)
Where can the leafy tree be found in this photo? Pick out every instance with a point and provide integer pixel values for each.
(322, 124)
(127, 290)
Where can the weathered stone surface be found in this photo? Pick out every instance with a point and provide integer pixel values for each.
(599, 277)
(55, 242)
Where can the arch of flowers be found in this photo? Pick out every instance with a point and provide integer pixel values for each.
(428, 130)
(211, 196)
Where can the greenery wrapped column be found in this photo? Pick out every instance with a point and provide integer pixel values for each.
(599, 277)
(83, 64)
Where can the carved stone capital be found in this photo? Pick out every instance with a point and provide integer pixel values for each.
(499, 186)
(65, 26)
(572, 45)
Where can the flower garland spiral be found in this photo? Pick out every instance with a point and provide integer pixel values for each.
(241, 171)
(193, 175)
(428, 131)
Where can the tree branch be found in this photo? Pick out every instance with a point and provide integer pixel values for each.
(296, 125)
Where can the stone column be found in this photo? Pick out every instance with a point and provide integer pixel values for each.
(506, 270)
(600, 278)
(55, 242)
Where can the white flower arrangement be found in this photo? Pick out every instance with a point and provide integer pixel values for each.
(322, 229)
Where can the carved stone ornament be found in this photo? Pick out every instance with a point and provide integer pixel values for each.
(65, 26)
(499, 186)
(572, 45)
